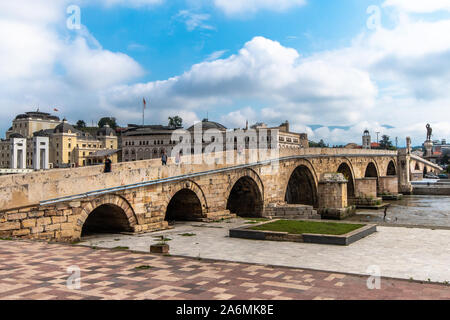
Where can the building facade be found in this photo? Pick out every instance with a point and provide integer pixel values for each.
(286, 139)
(146, 142)
(150, 142)
(21, 149)
(39, 140)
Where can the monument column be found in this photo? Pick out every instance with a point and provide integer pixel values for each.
(404, 161)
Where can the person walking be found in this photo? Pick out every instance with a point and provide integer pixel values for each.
(164, 158)
(108, 164)
(385, 211)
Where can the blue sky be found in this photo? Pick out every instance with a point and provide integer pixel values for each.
(160, 41)
(329, 67)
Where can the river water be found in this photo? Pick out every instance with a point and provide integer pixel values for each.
(411, 210)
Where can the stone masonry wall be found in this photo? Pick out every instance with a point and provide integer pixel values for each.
(388, 185)
(366, 188)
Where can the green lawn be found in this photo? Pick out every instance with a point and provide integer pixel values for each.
(300, 227)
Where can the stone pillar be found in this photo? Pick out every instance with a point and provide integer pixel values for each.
(428, 148)
(366, 191)
(404, 178)
(41, 153)
(18, 153)
(366, 188)
(333, 203)
(389, 185)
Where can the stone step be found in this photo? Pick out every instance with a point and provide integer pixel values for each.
(219, 215)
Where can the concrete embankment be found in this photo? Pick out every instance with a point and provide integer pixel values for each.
(438, 188)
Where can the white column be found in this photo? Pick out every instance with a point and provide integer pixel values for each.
(18, 153)
(41, 153)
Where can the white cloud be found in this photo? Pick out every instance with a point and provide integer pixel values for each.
(43, 64)
(396, 76)
(233, 7)
(420, 6)
(96, 68)
(194, 20)
(216, 55)
(264, 71)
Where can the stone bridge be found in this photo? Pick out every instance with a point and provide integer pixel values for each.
(143, 196)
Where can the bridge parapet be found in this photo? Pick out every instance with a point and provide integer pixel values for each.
(29, 189)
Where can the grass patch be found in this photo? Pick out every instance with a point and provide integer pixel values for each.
(300, 227)
(188, 234)
(143, 267)
(121, 248)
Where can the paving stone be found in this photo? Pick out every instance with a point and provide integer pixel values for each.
(39, 271)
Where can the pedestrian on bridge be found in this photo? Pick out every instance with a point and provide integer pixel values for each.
(164, 158)
(108, 164)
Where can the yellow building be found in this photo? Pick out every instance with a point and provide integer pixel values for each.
(67, 146)
(71, 147)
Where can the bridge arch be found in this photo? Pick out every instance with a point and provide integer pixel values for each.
(106, 214)
(371, 170)
(347, 170)
(185, 202)
(301, 187)
(391, 169)
(417, 166)
(245, 194)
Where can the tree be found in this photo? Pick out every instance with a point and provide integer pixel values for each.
(108, 121)
(385, 143)
(80, 124)
(445, 159)
(175, 122)
(321, 144)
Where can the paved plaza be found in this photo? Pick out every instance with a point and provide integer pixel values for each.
(38, 270)
(405, 253)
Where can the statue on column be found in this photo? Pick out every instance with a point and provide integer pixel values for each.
(429, 132)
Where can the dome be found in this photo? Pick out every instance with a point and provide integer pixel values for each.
(64, 127)
(106, 131)
(43, 133)
(37, 115)
(206, 125)
(16, 136)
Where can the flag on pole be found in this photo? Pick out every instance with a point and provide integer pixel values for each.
(145, 103)
(56, 110)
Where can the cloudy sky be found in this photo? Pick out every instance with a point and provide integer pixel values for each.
(332, 68)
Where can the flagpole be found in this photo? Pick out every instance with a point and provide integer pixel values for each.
(143, 112)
